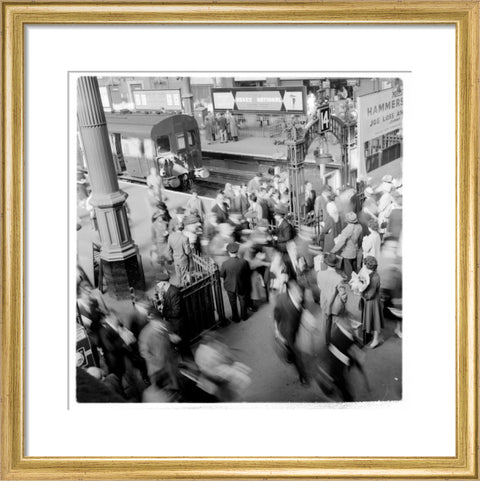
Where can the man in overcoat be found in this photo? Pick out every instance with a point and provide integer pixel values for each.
(236, 274)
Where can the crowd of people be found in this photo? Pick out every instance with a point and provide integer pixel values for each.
(347, 254)
(222, 127)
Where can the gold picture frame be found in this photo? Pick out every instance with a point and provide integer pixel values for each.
(463, 15)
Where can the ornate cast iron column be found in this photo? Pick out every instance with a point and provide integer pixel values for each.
(296, 174)
(120, 258)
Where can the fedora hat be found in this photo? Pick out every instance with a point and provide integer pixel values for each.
(331, 260)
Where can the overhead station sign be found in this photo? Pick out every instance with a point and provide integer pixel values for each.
(169, 100)
(260, 100)
(380, 113)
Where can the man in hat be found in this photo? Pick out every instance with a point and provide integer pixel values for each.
(348, 243)
(179, 248)
(170, 307)
(285, 230)
(328, 281)
(235, 273)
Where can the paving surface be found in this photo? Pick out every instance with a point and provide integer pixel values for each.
(252, 340)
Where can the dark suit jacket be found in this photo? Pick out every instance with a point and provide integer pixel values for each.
(285, 232)
(114, 349)
(173, 308)
(310, 202)
(287, 317)
(236, 275)
(222, 215)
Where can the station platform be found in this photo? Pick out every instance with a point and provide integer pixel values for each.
(257, 147)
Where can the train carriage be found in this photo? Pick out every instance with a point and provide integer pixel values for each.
(169, 143)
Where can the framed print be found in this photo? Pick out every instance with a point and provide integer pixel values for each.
(252, 198)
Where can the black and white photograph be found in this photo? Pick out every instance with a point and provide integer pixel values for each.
(238, 238)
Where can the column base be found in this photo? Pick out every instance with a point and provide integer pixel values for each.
(121, 275)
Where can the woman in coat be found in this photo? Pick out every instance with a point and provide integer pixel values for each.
(371, 305)
(232, 127)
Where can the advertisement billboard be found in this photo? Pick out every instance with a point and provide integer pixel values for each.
(260, 100)
(169, 100)
(379, 113)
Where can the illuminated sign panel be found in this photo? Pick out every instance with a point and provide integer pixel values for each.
(157, 99)
(279, 100)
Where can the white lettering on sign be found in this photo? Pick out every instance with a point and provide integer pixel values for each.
(379, 113)
(324, 120)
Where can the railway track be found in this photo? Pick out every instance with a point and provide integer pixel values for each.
(207, 187)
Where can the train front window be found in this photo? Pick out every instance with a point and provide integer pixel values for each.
(163, 144)
(191, 137)
(180, 141)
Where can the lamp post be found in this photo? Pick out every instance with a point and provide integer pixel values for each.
(349, 115)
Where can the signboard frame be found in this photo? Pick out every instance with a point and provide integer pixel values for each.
(167, 108)
(280, 111)
(322, 110)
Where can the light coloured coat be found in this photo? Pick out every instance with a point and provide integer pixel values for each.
(347, 243)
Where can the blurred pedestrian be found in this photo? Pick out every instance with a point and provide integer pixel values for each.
(287, 315)
(154, 182)
(194, 203)
(156, 349)
(328, 281)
